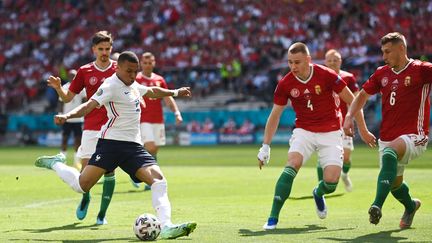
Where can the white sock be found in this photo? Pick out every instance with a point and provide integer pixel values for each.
(69, 175)
(161, 202)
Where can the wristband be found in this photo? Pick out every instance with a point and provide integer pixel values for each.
(176, 92)
(177, 113)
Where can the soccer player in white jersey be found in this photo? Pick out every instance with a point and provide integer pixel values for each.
(120, 144)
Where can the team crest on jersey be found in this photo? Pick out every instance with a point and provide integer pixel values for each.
(99, 92)
(295, 93)
(384, 81)
(317, 89)
(93, 80)
(407, 81)
(307, 94)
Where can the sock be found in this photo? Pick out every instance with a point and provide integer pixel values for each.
(320, 173)
(69, 175)
(402, 195)
(160, 202)
(386, 176)
(282, 190)
(325, 188)
(346, 167)
(107, 193)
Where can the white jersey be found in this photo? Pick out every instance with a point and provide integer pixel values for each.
(75, 102)
(123, 109)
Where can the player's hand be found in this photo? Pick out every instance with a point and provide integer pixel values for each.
(184, 92)
(348, 126)
(179, 119)
(60, 119)
(263, 155)
(54, 82)
(368, 138)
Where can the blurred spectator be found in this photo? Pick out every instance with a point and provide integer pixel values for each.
(48, 36)
(208, 126)
(246, 128)
(193, 127)
(229, 127)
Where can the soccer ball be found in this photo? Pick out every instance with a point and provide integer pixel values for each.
(147, 227)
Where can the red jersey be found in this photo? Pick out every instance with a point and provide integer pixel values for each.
(90, 77)
(405, 98)
(313, 99)
(351, 82)
(152, 112)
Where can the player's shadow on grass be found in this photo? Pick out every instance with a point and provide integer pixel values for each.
(382, 237)
(312, 228)
(310, 197)
(81, 241)
(74, 226)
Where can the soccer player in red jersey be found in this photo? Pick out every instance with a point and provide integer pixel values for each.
(333, 60)
(152, 121)
(404, 85)
(90, 77)
(311, 88)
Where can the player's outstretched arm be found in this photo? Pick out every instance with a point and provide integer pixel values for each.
(55, 83)
(80, 111)
(158, 92)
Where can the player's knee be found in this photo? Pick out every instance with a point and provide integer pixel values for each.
(85, 184)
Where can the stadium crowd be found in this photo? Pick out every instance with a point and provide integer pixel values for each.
(202, 43)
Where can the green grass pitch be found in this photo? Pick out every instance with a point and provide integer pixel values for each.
(221, 188)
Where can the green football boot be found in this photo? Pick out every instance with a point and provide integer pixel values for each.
(177, 230)
(48, 161)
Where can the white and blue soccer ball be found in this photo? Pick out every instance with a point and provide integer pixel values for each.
(147, 227)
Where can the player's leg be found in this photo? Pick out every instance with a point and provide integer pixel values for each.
(300, 150)
(389, 154)
(66, 132)
(348, 146)
(415, 146)
(107, 156)
(144, 168)
(148, 138)
(77, 131)
(330, 152)
(80, 183)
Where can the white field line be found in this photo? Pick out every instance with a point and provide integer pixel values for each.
(44, 203)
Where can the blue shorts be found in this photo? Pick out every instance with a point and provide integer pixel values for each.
(129, 156)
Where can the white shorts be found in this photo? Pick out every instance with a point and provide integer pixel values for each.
(415, 146)
(88, 144)
(347, 142)
(153, 132)
(327, 144)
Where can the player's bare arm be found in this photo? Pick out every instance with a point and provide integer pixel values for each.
(158, 92)
(65, 95)
(269, 131)
(80, 111)
(170, 102)
(356, 110)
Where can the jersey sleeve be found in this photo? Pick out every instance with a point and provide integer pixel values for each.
(426, 72)
(372, 85)
(77, 83)
(281, 95)
(352, 83)
(104, 94)
(164, 84)
(142, 89)
(337, 83)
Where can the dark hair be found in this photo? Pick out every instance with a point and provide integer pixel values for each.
(298, 47)
(394, 38)
(102, 36)
(127, 56)
(147, 55)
